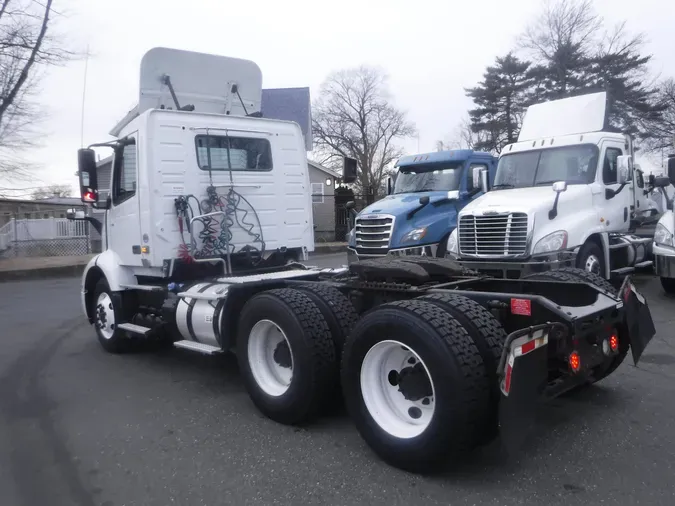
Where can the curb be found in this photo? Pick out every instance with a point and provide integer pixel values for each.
(62, 271)
(320, 249)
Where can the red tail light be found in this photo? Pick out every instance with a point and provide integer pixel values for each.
(89, 196)
(614, 342)
(574, 361)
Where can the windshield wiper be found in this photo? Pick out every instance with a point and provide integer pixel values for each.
(541, 183)
(503, 185)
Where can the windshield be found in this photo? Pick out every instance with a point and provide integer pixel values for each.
(422, 178)
(573, 164)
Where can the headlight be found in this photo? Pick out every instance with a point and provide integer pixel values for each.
(662, 236)
(551, 242)
(451, 247)
(415, 235)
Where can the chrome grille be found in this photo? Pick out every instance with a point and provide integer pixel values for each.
(374, 233)
(493, 235)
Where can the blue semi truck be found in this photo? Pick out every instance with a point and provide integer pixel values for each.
(421, 209)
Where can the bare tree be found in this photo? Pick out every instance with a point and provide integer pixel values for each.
(354, 117)
(560, 41)
(663, 128)
(26, 48)
(463, 137)
(52, 191)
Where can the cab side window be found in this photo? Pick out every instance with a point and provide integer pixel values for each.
(609, 166)
(126, 178)
(469, 175)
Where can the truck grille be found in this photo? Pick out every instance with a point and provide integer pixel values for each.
(493, 235)
(373, 234)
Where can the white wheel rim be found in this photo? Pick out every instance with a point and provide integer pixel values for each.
(592, 264)
(105, 316)
(402, 418)
(270, 358)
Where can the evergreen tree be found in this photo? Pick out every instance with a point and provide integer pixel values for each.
(500, 101)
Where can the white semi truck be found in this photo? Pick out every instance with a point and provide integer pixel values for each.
(664, 242)
(564, 195)
(209, 210)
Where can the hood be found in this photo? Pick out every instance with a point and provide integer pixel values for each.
(401, 204)
(438, 220)
(527, 200)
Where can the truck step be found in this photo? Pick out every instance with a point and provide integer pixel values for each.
(623, 270)
(207, 349)
(145, 288)
(134, 329)
(642, 265)
(202, 296)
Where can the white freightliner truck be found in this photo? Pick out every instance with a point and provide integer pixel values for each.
(564, 195)
(664, 236)
(207, 214)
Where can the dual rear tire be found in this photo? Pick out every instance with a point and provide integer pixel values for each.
(418, 377)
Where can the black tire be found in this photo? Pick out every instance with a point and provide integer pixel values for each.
(668, 285)
(336, 309)
(457, 371)
(588, 250)
(315, 369)
(570, 274)
(113, 340)
(489, 336)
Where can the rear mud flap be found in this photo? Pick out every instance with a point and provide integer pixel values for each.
(638, 319)
(523, 378)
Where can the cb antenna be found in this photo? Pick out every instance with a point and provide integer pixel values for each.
(84, 95)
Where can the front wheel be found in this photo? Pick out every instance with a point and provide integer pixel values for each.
(107, 313)
(591, 259)
(415, 385)
(668, 285)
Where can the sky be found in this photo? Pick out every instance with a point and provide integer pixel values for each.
(431, 50)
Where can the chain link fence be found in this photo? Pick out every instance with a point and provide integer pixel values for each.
(331, 215)
(46, 238)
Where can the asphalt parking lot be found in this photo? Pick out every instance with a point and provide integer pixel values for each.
(82, 427)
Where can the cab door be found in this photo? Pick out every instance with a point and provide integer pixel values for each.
(124, 224)
(614, 209)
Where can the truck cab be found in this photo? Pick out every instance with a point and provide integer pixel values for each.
(420, 212)
(664, 242)
(564, 195)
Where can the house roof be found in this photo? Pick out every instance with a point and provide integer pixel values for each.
(323, 169)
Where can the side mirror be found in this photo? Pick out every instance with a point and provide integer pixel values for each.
(639, 178)
(349, 167)
(560, 186)
(350, 204)
(661, 182)
(484, 183)
(390, 188)
(624, 165)
(72, 214)
(475, 175)
(424, 200)
(86, 163)
(671, 168)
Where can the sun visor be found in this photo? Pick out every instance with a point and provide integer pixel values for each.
(567, 116)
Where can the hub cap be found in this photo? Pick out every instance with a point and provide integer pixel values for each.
(270, 358)
(397, 389)
(105, 316)
(592, 264)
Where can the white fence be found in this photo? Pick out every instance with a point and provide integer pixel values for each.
(46, 237)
